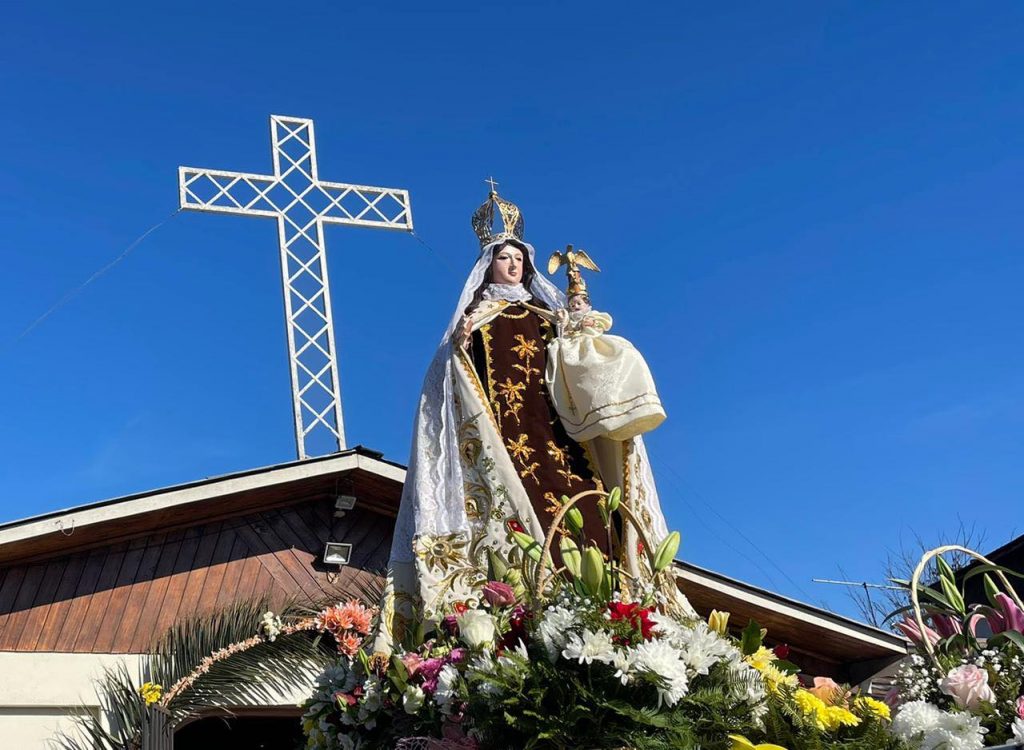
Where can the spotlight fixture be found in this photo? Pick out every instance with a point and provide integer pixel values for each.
(343, 503)
(337, 553)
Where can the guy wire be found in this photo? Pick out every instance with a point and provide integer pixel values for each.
(68, 296)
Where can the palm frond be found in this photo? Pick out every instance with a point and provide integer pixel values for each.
(124, 707)
(258, 674)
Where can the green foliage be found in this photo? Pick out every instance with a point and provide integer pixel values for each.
(544, 706)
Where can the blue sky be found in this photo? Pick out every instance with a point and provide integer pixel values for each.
(808, 216)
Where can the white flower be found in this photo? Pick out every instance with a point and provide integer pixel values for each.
(476, 628)
(412, 699)
(667, 627)
(661, 663)
(554, 628)
(702, 647)
(931, 728)
(484, 665)
(590, 648)
(623, 663)
(1018, 731)
(270, 624)
(447, 679)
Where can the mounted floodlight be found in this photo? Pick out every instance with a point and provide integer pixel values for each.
(343, 503)
(337, 553)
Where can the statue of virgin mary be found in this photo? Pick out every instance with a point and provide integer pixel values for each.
(489, 454)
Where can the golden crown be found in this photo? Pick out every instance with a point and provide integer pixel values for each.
(511, 226)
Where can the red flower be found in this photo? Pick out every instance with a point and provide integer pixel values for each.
(781, 651)
(632, 613)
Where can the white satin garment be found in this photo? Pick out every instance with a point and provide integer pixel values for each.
(600, 385)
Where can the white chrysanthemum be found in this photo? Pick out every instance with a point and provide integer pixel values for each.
(934, 729)
(660, 662)
(484, 665)
(1018, 731)
(747, 686)
(554, 628)
(590, 647)
(667, 627)
(447, 679)
(623, 665)
(702, 647)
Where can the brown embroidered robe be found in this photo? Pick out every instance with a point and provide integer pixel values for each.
(509, 356)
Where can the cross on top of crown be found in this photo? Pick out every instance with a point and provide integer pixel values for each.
(494, 185)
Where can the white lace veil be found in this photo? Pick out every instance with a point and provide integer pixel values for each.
(432, 498)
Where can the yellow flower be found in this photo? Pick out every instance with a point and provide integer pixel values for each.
(837, 716)
(761, 658)
(774, 677)
(867, 706)
(742, 743)
(825, 717)
(151, 692)
(718, 621)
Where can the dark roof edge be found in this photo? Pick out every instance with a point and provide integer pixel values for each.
(357, 450)
(794, 603)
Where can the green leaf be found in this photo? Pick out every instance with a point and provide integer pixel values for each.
(978, 570)
(1009, 635)
(751, 638)
(787, 666)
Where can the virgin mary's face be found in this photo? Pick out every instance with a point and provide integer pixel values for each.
(507, 265)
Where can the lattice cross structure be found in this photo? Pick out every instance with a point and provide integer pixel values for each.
(302, 204)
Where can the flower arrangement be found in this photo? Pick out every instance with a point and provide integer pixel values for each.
(964, 687)
(561, 657)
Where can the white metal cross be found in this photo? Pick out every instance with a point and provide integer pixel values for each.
(302, 204)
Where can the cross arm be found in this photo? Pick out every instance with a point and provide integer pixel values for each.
(365, 206)
(226, 192)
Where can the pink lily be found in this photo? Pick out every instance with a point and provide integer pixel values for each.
(1009, 616)
(946, 625)
(908, 626)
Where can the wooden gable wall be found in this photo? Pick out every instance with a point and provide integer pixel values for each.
(117, 598)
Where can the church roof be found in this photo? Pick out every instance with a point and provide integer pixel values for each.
(359, 469)
(826, 642)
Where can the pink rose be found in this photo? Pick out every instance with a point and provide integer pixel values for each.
(968, 687)
(1020, 707)
(499, 594)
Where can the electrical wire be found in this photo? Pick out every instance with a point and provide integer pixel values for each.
(68, 296)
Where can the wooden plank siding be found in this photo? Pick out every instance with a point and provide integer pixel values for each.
(119, 597)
